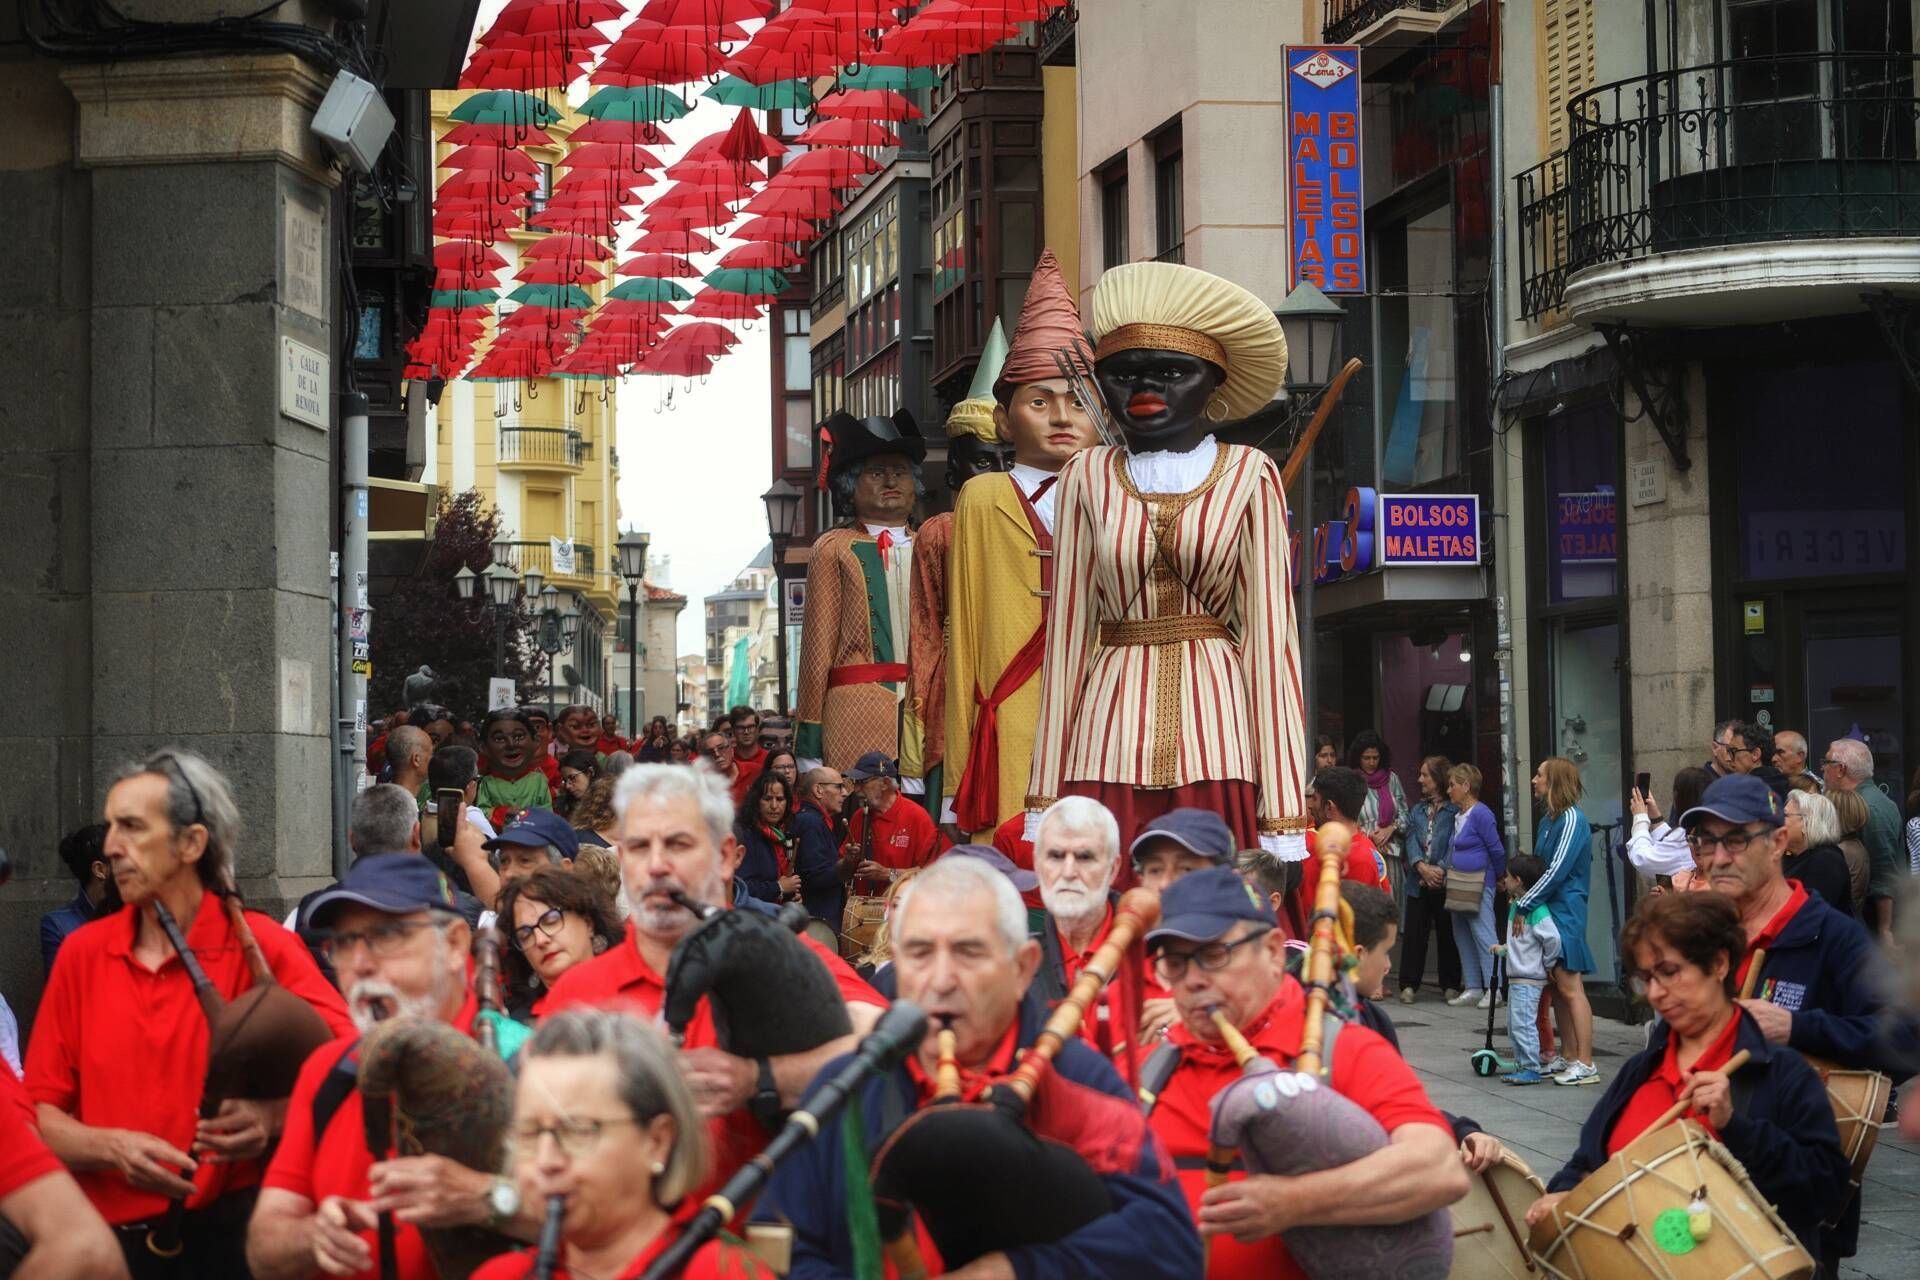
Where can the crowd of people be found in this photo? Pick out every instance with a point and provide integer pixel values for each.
(118, 1159)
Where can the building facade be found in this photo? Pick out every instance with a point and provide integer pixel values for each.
(742, 659)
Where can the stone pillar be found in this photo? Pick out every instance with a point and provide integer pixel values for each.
(1669, 577)
(213, 243)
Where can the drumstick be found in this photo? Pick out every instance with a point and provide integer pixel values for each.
(1680, 1108)
(1754, 961)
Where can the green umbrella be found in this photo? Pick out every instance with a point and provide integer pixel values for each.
(504, 106)
(752, 280)
(559, 297)
(897, 78)
(735, 92)
(649, 289)
(643, 105)
(461, 299)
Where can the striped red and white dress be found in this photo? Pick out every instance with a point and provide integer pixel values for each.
(1123, 705)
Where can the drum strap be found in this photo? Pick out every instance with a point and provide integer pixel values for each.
(334, 1091)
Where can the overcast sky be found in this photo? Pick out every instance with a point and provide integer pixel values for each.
(691, 475)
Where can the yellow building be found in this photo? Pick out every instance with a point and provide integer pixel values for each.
(543, 453)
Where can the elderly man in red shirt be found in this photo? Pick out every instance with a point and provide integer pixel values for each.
(118, 1059)
(676, 834)
(903, 837)
(393, 931)
(1218, 946)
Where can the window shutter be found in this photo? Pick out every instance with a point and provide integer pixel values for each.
(1567, 63)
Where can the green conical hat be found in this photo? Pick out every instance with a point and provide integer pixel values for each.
(974, 415)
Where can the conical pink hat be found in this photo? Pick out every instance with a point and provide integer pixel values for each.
(1049, 323)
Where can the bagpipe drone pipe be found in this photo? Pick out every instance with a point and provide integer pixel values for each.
(769, 993)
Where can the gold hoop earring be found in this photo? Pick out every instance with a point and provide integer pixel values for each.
(1220, 405)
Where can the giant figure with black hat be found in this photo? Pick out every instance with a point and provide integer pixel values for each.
(853, 641)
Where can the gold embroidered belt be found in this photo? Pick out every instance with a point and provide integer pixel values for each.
(1174, 629)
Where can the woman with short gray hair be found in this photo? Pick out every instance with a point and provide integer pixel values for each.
(607, 1135)
(1813, 854)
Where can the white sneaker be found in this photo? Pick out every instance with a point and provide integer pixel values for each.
(1579, 1073)
(1558, 1066)
(1485, 1001)
(1472, 995)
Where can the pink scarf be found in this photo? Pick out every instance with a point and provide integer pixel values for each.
(1380, 781)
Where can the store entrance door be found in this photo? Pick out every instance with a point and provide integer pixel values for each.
(1586, 720)
(1850, 678)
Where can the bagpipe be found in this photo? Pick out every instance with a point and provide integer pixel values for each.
(1292, 1122)
(976, 1175)
(769, 993)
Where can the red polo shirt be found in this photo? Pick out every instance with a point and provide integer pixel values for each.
(714, 1260)
(904, 836)
(621, 976)
(1662, 1088)
(1366, 1071)
(23, 1157)
(1771, 932)
(755, 756)
(335, 1162)
(120, 1047)
(1364, 866)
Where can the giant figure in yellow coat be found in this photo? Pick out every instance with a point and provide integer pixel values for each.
(853, 640)
(999, 571)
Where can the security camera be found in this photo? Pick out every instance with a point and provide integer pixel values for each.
(354, 121)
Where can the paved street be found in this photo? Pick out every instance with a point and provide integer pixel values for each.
(1542, 1123)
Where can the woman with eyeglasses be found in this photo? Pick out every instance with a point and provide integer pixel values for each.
(553, 919)
(579, 770)
(783, 762)
(1683, 952)
(603, 1123)
(1813, 854)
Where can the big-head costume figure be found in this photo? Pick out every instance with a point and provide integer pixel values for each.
(974, 449)
(1172, 671)
(853, 640)
(1001, 565)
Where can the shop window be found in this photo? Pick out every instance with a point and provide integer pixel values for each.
(1114, 236)
(1420, 422)
(1581, 452)
(1169, 197)
(1811, 505)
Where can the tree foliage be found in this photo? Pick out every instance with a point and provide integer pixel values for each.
(425, 623)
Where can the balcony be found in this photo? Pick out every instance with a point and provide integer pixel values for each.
(1368, 22)
(522, 556)
(1739, 192)
(542, 449)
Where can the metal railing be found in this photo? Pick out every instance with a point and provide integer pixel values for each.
(522, 556)
(1540, 202)
(1172, 253)
(1802, 146)
(1344, 19)
(542, 446)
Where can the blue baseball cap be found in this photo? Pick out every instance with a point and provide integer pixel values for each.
(537, 828)
(1203, 906)
(396, 883)
(1738, 798)
(1023, 880)
(874, 764)
(1198, 831)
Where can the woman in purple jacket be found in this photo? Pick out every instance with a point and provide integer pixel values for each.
(1476, 847)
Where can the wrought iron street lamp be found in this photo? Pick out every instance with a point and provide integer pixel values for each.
(632, 549)
(783, 525)
(552, 637)
(503, 589)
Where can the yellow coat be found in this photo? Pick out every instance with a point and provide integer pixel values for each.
(994, 605)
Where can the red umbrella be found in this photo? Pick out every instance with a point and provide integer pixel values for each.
(625, 132)
(452, 278)
(848, 133)
(837, 161)
(611, 156)
(745, 142)
(532, 17)
(675, 364)
(689, 219)
(498, 135)
(658, 266)
(652, 53)
(501, 160)
(718, 304)
(943, 32)
(559, 271)
(809, 202)
(703, 337)
(763, 254)
(545, 66)
(484, 180)
(783, 228)
(714, 169)
(867, 104)
(575, 248)
(455, 254)
(706, 13)
(476, 224)
(673, 242)
(797, 43)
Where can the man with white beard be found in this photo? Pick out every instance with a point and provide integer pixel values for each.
(1075, 853)
(399, 946)
(676, 835)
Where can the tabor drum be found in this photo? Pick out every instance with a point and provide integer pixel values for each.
(1859, 1102)
(860, 923)
(1673, 1204)
(1490, 1225)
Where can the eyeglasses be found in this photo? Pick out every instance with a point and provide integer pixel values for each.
(548, 924)
(1829, 762)
(1734, 842)
(383, 939)
(1212, 958)
(717, 748)
(575, 1135)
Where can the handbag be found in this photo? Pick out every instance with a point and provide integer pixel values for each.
(1465, 889)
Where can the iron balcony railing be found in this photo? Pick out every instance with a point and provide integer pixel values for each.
(522, 556)
(542, 446)
(1172, 253)
(1804, 146)
(1345, 19)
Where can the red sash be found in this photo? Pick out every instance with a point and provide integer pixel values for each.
(976, 801)
(866, 673)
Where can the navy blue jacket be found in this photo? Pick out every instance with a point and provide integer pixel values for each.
(816, 860)
(759, 863)
(1827, 972)
(1782, 1130)
(1148, 1236)
(58, 923)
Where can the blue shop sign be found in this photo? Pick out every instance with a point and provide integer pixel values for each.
(1384, 530)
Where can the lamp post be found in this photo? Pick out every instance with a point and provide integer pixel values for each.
(632, 548)
(552, 640)
(783, 521)
(503, 587)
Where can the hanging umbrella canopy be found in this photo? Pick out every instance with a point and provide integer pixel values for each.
(747, 280)
(848, 133)
(649, 52)
(647, 104)
(496, 135)
(761, 256)
(649, 290)
(870, 76)
(829, 167)
(505, 107)
(854, 18)
(714, 169)
(476, 224)
(745, 142)
(798, 44)
(557, 271)
(502, 160)
(553, 297)
(675, 363)
(455, 278)
(672, 242)
(657, 266)
(547, 66)
(806, 202)
(461, 300)
(712, 14)
(735, 92)
(533, 17)
(457, 254)
(478, 183)
(624, 133)
(943, 32)
(576, 248)
(867, 104)
(687, 219)
(713, 338)
(783, 228)
(612, 157)
(717, 304)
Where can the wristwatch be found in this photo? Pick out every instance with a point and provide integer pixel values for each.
(503, 1202)
(764, 1105)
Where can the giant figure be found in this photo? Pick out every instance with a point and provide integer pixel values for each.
(1172, 669)
(853, 640)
